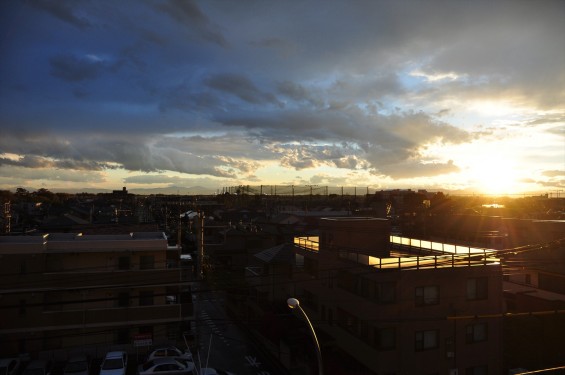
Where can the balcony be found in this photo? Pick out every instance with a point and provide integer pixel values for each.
(39, 282)
(111, 317)
(311, 243)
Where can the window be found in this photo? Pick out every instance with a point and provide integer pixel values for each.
(427, 295)
(476, 370)
(332, 276)
(123, 299)
(362, 286)
(310, 300)
(477, 288)
(385, 338)
(311, 267)
(476, 333)
(146, 298)
(364, 330)
(124, 263)
(23, 307)
(346, 280)
(122, 336)
(147, 330)
(385, 292)
(299, 261)
(347, 321)
(426, 340)
(160, 353)
(146, 262)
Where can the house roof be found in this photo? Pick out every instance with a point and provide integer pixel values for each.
(277, 254)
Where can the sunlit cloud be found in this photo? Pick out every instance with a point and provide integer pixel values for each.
(381, 93)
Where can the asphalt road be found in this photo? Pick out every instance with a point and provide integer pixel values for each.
(224, 344)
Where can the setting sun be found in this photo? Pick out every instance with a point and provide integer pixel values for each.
(493, 175)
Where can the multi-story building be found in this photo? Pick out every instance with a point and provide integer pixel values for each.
(427, 309)
(63, 291)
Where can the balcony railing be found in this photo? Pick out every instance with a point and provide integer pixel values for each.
(420, 262)
(311, 243)
(448, 255)
(38, 282)
(438, 247)
(49, 320)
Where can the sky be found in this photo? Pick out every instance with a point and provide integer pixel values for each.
(458, 96)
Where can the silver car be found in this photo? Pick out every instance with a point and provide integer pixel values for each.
(38, 367)
(166, 366)
(170, 351)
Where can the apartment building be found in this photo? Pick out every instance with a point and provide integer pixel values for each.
(430, 309)
(64, 291)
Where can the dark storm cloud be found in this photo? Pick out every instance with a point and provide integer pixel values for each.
(34, 161)
(241, 87)
(135, 153)
(73, 69)
(16, 176)
(189, 14)
(182, 97)
(61, 9)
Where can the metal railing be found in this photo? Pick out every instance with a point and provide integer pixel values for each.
(450, 255)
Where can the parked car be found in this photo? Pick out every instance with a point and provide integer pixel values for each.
(77, 365)
(38, 367)
(214, 371)
(115, 363)
(9, 366)
(170, 351)
(166, 366)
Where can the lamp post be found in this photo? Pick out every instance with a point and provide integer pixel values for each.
(293, 303)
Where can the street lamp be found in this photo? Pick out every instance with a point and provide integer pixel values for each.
(293, 303)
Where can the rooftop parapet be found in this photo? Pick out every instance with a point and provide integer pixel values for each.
(448, 255)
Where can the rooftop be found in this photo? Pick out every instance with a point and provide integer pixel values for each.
(440, 255)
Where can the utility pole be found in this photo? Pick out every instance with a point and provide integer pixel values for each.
(199, 244)
(7, 217)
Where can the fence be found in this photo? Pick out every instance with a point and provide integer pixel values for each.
(293, 190)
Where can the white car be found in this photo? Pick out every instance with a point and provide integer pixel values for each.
(9, 366)
(166, 366)
(38, 367)
(77, 365)
(115, 363)
(170, 351)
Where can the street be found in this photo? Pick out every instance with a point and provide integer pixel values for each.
(222, 343)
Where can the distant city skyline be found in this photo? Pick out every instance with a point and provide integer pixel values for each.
(455, 96)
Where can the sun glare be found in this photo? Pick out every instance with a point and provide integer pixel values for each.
(495, 176)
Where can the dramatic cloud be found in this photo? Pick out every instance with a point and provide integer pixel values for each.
(62, 10)
(384, 93)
